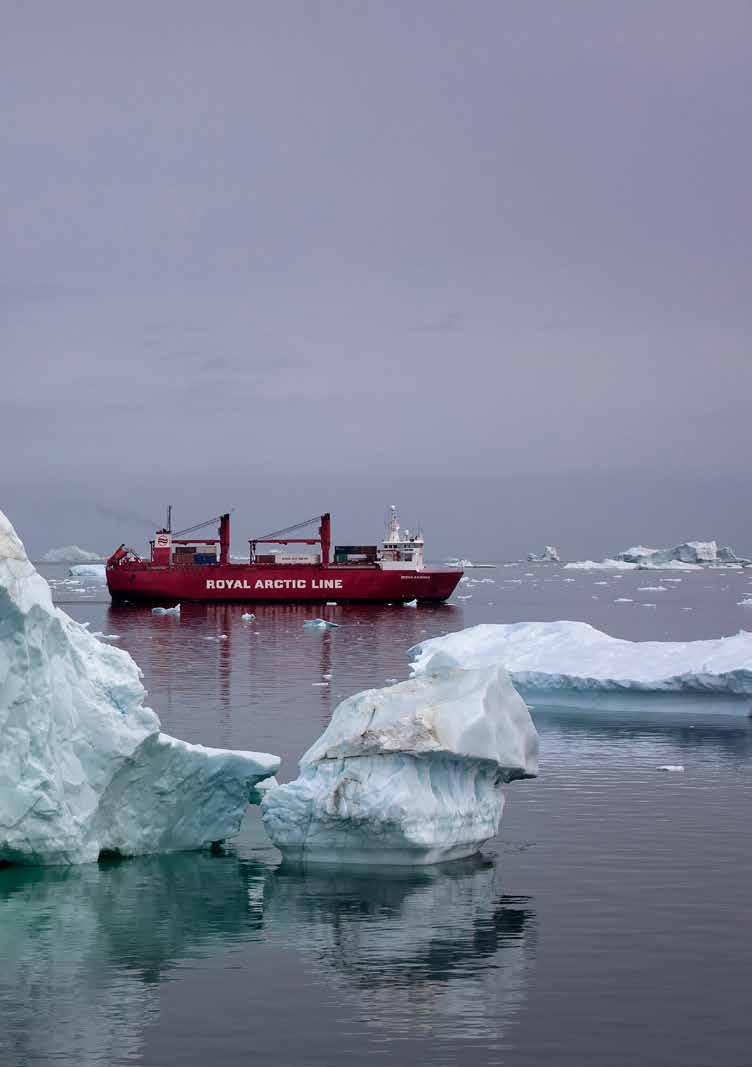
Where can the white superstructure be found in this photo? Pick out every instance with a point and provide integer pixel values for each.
(401, 550)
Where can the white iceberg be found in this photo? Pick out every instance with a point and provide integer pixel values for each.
(174, 610)
(408, 774)
(690, 555)
(550, 554)
(84, 768)
(71, 554)
(562, 662)
(89, 571)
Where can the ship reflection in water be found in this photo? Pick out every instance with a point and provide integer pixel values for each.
(90, 952)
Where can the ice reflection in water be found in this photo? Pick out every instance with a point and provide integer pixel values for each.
(85, 950)
(413, 951)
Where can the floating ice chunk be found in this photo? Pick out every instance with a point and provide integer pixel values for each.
(648, 605)
(411, 603)
(550, 554)
(84, 767)
(71, 554)
(247, 616)
(624, 600)
(166, 611)
(106, 637)
(555, 656)
(652, 589)
(746, 603)
(320, 624)
(91, 572)
(408, 774)
(331, 603)
(673, 767)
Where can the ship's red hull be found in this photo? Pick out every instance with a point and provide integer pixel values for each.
(252, 583)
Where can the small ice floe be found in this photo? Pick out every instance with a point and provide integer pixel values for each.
(652, 589)
(746, 603)
(326, 677)
(319, 624)
(513, 581)
(411, 603)
(247, 616)
(92, 572)
(320, 684)
(676, 768)
(647, 605)
(216, 637)
(600, 583)
(623, 600)
(106, 637)
(331, 603)
(468, 596)
(568, 579)
(166, 611)
(391, 681)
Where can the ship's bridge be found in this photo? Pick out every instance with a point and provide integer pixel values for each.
(401, 550)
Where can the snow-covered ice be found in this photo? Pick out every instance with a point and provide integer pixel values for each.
(84, 767)
(166, 611)
(559, 662)
(408, 774)
(247, 616)
(70, 554)
(550, 554)
(672, 767)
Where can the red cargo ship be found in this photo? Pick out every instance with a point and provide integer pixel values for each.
(183, 568)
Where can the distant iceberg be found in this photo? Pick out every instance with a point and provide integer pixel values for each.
(409, 774)
(550, 554)
(548, 660)
(71, 554)
(690, 555)
(84, 768)
(89, 571)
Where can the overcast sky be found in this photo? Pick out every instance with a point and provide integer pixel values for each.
(488, 261)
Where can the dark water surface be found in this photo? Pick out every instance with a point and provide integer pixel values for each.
(608, 925)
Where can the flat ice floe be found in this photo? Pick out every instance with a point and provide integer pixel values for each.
(84, 767)
(562, 662)
(408, 774)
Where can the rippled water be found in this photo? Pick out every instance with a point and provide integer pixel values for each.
(607, 925)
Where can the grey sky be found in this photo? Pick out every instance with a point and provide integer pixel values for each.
(490, 261)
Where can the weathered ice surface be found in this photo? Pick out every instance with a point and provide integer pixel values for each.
(574, 655)
(84, 767)
(408, 774)
(550, 554)
(70, 554)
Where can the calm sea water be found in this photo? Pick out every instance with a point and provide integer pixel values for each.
(607, 925)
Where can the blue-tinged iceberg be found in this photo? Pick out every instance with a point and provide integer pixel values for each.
(407, 774)
(84, 768)
(88, 571)
(688, 556)
(552, 661)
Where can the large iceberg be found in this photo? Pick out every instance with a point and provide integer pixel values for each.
(84, 768)
(550, 554)
(408, 774)
(690, 555)
(550, 659)
(71, 554)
